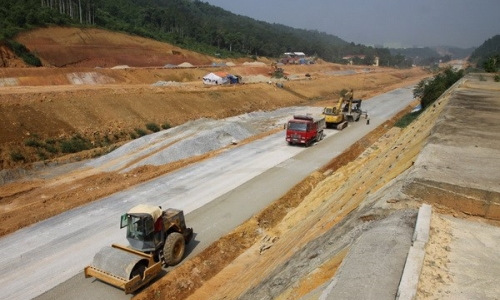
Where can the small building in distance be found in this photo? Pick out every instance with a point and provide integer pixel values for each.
(295, 58)
(351, 58)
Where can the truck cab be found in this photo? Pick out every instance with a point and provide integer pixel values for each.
(304, 129)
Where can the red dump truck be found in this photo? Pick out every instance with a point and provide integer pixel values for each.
(305, 129)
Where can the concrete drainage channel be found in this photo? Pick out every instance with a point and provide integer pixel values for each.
(409, 281)
(376, 259)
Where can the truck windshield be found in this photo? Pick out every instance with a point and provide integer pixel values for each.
(297, 126)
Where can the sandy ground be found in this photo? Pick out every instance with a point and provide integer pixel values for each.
(460, 260)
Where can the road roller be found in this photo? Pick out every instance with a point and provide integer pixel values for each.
(156, 237)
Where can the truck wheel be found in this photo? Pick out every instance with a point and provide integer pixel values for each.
(173, 250)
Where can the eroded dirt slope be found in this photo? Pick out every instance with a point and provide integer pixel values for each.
(90, 47)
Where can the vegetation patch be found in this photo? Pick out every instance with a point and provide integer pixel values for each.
(17, 156)
(21, 51)
(407, 119)
(75, 144)
(429, 90)
(140, 132)
(153, 127)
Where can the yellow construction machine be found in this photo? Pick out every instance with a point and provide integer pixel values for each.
(346, 110)
(156, 237)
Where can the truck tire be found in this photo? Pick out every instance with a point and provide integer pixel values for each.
(173, 250)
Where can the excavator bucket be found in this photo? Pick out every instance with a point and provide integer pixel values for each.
(123, 267)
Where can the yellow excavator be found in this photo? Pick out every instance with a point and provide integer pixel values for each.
(346, 110)
(156, 237)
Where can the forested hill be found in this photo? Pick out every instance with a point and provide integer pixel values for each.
(191, 24)
(487, 55)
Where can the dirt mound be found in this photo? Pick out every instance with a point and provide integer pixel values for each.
(91, 47)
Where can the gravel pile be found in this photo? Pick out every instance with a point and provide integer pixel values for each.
(255, 78)
(9, 81)
(120, 67)
(215, 137)
(254, 63)
(341, 73)
(167, 83)
(194, 138)
(185, 65)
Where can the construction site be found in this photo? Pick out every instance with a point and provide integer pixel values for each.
(384, 213)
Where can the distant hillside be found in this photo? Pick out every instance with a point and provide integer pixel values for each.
(193, 25)
(490, 48)
(426, 56)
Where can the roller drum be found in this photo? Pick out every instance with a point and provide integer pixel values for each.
(116, 262)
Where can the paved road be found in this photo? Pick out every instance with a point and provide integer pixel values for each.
(45, 261)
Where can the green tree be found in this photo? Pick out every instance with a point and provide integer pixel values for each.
(430, 90)
(492, 64)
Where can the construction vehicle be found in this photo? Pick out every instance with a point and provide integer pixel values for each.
(305, 129)
(346, 110)
(277, 72)
(156, 237)
(352, 110)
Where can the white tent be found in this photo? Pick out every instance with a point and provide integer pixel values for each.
(214, 79)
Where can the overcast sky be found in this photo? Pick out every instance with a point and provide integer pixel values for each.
(461, 23)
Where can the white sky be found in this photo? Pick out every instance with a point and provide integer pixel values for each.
(460, 23)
